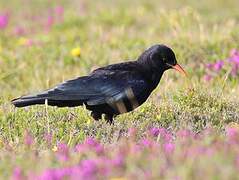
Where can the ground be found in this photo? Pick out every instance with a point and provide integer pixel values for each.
(46, 42)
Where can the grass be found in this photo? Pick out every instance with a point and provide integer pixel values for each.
(109, 32)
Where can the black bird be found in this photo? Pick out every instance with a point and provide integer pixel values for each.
(110, 90)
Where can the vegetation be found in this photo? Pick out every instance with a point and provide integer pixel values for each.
(187, 129)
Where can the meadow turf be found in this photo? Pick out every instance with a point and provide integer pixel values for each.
(108, 32)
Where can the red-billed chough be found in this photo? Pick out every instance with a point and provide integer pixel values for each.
(110, 90)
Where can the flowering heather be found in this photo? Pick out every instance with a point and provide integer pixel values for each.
(185, 130)
(28, 140)
(4, 19)
(229, 64)
(155, 158)
(59, 13)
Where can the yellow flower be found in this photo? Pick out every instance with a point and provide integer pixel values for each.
(76, 52)
(54, 148)
(22, 41)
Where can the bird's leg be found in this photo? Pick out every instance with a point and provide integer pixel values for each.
(96, 116)
(109, 118)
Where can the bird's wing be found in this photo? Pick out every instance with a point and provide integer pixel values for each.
(101, 87)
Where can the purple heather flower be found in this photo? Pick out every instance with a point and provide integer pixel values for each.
(59, 11)
(234, 52)
(218, 65)
(233, 134)
(51, 174)
(80, 148)
(209, 65)
(17, 174)
(88, 168)
(154, 131)
(50, 22)
(168, 148)
(48, 138)
(185, 133)
(118, 161)
(165, 134)
(235, 70)
(28, 139)
(63, 152)
(93, 144)
(234, 60)
(90, 141)
(19, 31)
(132, 132)
(146, 142)
(207, 77)
(3, 21)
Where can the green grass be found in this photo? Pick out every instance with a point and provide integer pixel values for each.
(109, 32)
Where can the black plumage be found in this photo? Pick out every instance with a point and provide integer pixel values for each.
(110, 90)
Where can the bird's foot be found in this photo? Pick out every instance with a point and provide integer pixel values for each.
(96, 116)
(109, 118)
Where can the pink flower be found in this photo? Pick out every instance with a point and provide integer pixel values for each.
(80, 148)
(19, 31)
(118, 161)
(168, 148)
(234, 52)
(59, 11)
(235, 70)
(63, 152)
(209, 65)
(50, 22)
(29, 42)
(51, 174)
(146, 142)
(48, 138)
(17, 174)
(165, 135)
(235, 65)
(207, 77)
(132, 132)
(88, 168)
(28, 139)
(218, 65)
(3, 21)
(233, 134)
(93, 144)
(234, 59)
(185, 133)
(154, 131)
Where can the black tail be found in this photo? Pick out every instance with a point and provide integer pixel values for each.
(27, 101)
(33, 100)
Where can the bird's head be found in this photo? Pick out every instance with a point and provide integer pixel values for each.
(160, 58)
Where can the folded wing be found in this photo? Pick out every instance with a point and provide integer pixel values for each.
(103, 86)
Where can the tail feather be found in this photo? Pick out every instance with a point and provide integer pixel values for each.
(23, 101)
(34, 100)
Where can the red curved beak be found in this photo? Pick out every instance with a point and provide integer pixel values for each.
(180, 69)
